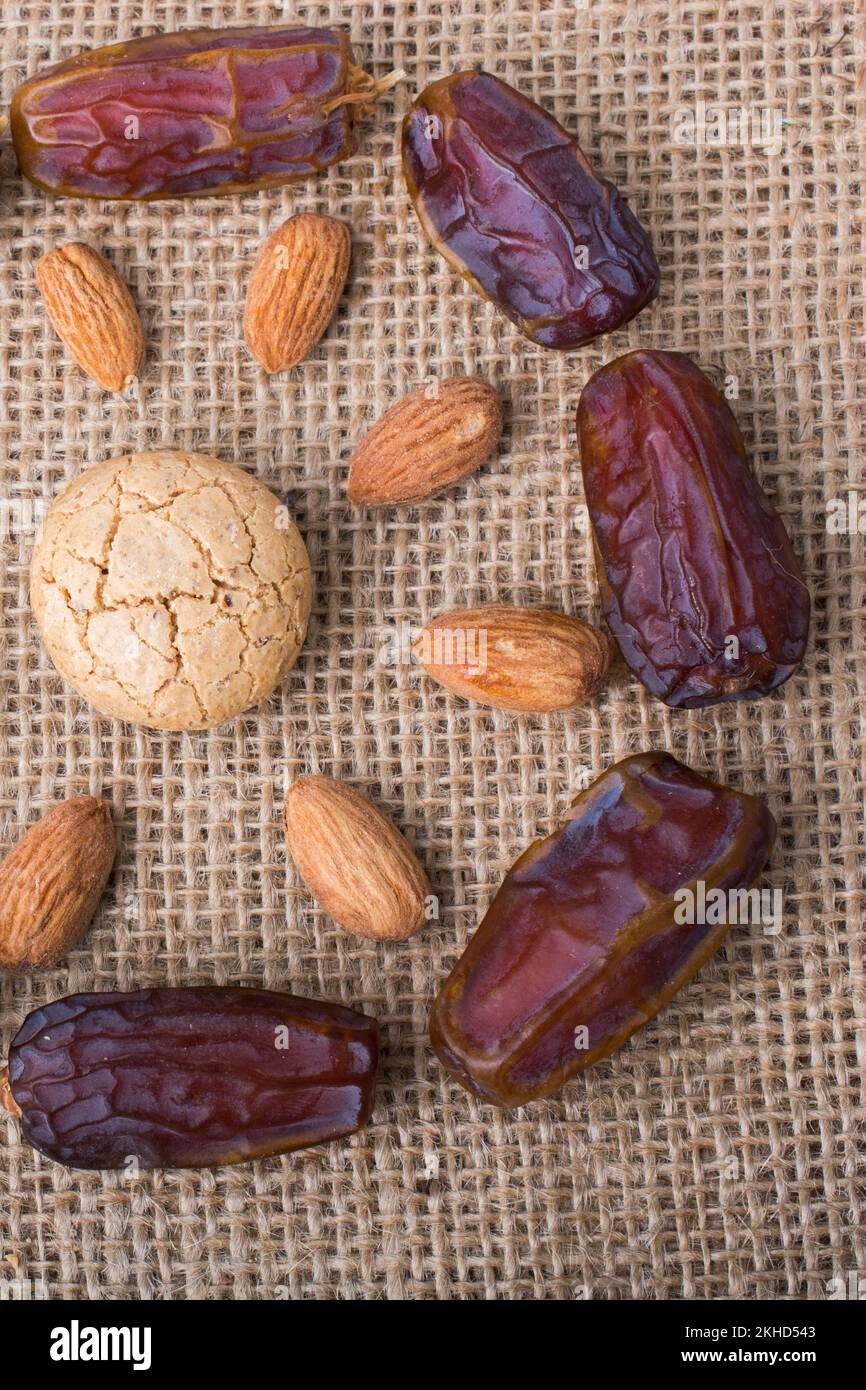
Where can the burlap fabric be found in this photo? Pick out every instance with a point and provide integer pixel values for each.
(719, 1155)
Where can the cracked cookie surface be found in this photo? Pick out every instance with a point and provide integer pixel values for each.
(171, 589)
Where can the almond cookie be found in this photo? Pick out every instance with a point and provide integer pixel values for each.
(171, 590)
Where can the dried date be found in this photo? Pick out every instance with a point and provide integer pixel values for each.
(202, 111)
(583, 943)
(189, 1077)
(510, 200)
(699, 583)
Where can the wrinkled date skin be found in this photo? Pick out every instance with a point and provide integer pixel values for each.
(188, 1078)
(204, 111)
(509, 199)
(699, 583)
(583, 932)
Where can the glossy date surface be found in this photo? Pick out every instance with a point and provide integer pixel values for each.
(200, 111)
(699, 582)
(583, 932)
(179, 1078)
(509, 199)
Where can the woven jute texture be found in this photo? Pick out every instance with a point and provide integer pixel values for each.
(720, 1154)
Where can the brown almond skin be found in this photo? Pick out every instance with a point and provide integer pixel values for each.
(93, 312)
(425, 443)
(52, 881)
(7, 1100)
(354, 860)
(295, 288)
(524, 660)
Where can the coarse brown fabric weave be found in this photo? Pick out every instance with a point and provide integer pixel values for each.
(720, 1154)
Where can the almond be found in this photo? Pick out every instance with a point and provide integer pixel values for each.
(92, 310)
(294, 289)
(7, 1100)
(426, 442)
(354, 860)
(51, 883)
(527, 660)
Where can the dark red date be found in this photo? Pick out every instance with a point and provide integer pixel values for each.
(508, 197)
(188, 1078)
(583, 944)
(699, 582)
(203, 111)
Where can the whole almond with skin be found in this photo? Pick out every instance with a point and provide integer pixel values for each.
(294, 289)
(526, 660)
(426, 442)
(93, 312)
(354, 860)
(51, 883)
